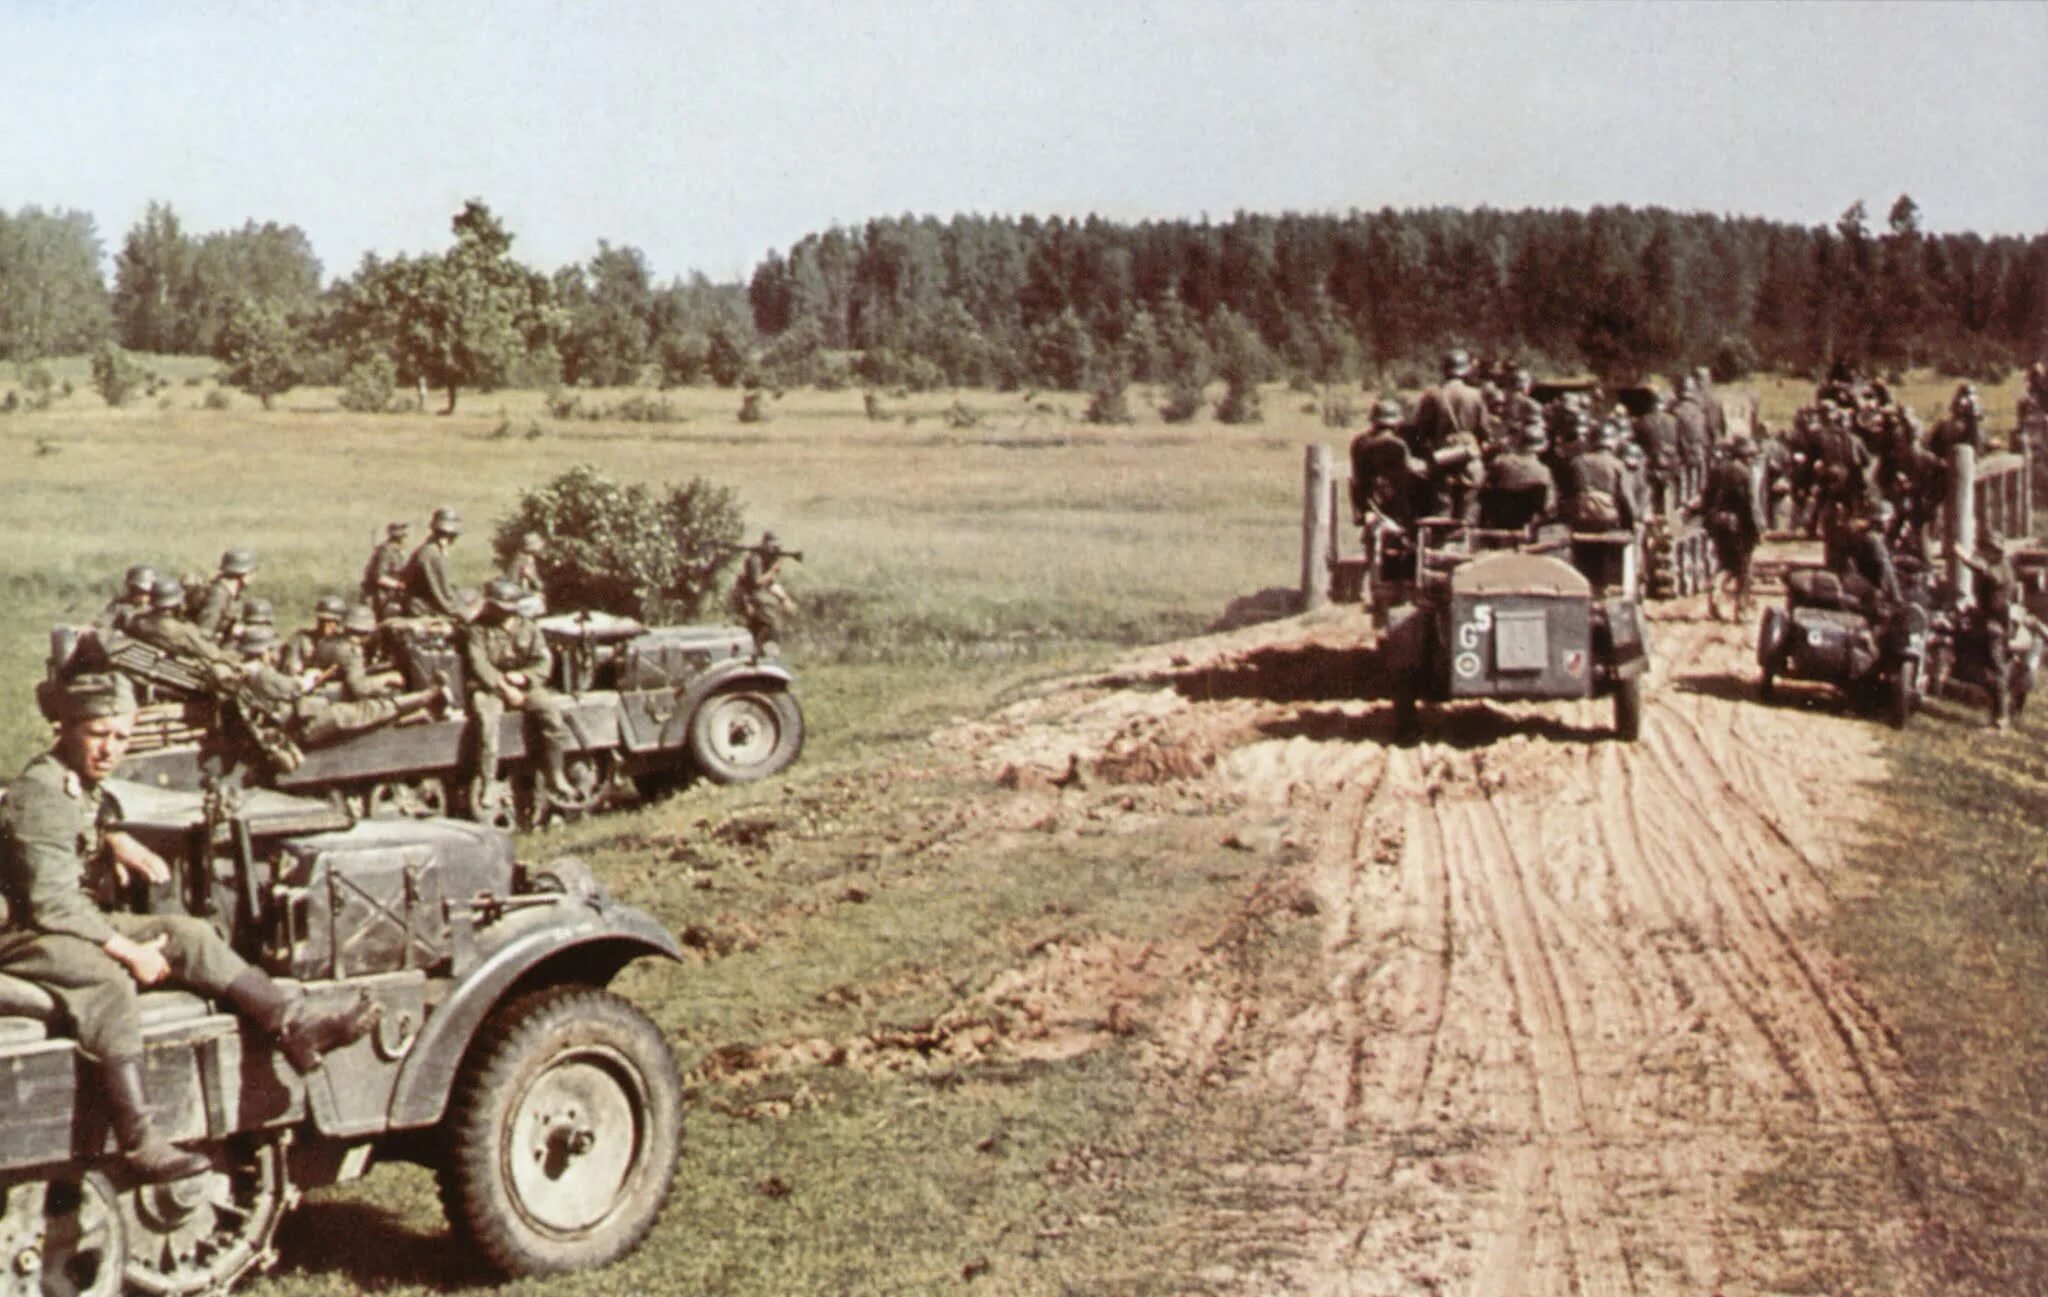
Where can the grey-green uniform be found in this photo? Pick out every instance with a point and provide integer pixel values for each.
(53, 825)
(500, 645)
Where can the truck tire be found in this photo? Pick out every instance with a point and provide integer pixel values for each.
(562, 1132)
(1628, 708)
(742, 734)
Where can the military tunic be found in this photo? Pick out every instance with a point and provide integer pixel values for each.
(427, 591)
(54, 862)
(221, 609)
(491, 652)
(384, 580)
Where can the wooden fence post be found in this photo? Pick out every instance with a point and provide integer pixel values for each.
(1315, 530)
(1962, 516)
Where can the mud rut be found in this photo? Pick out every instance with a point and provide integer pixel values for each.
(1573, 1004)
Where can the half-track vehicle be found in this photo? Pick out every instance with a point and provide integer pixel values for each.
(1511, 615)
(1876, 655)
(650, 709)
(548, 1105)
(1678, 553)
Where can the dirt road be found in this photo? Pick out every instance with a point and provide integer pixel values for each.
(1568, 1022)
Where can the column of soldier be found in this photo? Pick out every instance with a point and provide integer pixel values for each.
(1480, 448)
(329, 681)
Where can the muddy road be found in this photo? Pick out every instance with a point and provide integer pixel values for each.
(1568, 1019)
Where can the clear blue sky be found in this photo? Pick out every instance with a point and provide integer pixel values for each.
(707, 133)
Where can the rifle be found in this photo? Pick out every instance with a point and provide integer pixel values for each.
(766, 551)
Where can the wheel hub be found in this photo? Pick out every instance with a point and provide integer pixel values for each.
(576, 1137)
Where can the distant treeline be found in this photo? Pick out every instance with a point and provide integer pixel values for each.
(1008, 302)
(1619, 291)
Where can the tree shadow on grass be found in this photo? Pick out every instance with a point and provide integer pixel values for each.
(374, 1248)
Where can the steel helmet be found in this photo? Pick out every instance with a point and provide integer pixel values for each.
(329, 606)
(139, 579)
(168, 592)
(237, 562)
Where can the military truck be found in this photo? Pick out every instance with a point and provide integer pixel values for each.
(1504, 614)
(548, 1106)
(650, 708)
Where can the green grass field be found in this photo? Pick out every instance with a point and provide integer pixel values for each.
(949, 568)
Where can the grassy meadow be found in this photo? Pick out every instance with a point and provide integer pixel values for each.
(946, 569)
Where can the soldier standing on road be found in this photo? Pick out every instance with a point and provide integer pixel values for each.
(427, 590)
(508, 662)
(1734, 510)
(59, 852)
(383, 585)
(1657, 433)
(133, 601)
(220, 610)
(1987, 626)
(1695, 438)
(1596, 494)
(758, 596)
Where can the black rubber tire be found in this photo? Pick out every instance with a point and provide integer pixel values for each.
(1628, 709)
(1904, 694)
(1767, 685)
(534, 1061)
(712, 726)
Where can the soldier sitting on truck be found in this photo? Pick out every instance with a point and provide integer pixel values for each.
(307, 718)
(59, 855)
(313, 650)
(383, 584)
(165, 629)
(427, 590)
(508, 661)
(132, 602)
(1519, 488)
(220, 609)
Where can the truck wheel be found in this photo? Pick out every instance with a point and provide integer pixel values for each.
(1905, 687)
(64, 1236)
(738, 735)
(562, 1132)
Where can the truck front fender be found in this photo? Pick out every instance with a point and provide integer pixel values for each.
(654, 723)
(575, 940)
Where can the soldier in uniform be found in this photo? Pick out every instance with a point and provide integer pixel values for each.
(1596, 494)
(383, 585)
(427, 589)
(60, 852)
(1864, 562)
(1519, 488)
(165, 628)
(220, 610)
(1734, 509)
(1449, 433)
(525, 569)
(132, 602)
(758, 597)
(1986, 630)
(1710, 402)
(1695, 437)
(257, 612)
(313, 650)
(349, 658)
(1657, 433)
(508, 661)
(311, 718)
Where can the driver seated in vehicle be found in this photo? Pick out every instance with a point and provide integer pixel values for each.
(1869, 581)
(1519, 488)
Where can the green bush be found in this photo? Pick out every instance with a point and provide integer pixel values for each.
(639, 551)
(216, 399)
(1183, 402)
(114, 376)
(753, 409)
(369, 386)
(1107, 403)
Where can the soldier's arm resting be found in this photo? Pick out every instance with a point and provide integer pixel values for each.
(135, 860)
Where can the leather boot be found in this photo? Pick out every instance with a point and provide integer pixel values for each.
(301, 1035)
(559, 786)
(418, 700)
(150, 1157)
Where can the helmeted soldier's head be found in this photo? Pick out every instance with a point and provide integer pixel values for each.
(1740, 447)
(447, 522)
(1386, 414)
(502, 597)
(167, 595)
(238, 564)
(1612, 433)
(95, 717)
(360, 620)
(258, 612)
(328, 610)
(771, 543)
(256, 642)
(1457, 363)
(397, 530)
(137, 582)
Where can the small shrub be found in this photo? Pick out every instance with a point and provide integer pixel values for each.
(1297, 381)
(1338, 412)
(369, 386)
(1108, 403)
(642, 408)
(114, 376)
(563, 405)
(1183, 402)
(753, 409)
(66, 389)
(960, 415)
(217, 399)
(1240, 403)
(38, 388)
(11, 403)
(872, 403)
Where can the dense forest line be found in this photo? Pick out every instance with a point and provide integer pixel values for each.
(1002, 301)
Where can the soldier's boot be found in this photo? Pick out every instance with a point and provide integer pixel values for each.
(150, 1157)
(559, 786)
(301, 1035)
